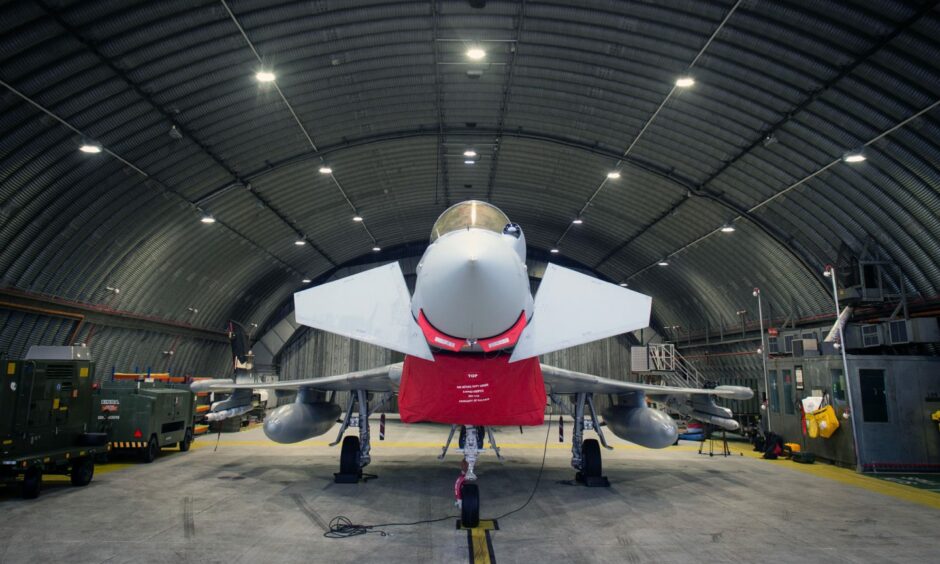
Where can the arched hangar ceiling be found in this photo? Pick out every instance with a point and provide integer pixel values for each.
(383, 93)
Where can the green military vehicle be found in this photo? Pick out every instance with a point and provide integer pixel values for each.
(145, 416)
(45, 409)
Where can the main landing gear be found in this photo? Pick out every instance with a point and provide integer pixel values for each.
(586, 453)
(354, 454)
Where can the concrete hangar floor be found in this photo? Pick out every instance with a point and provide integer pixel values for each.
(255, 501)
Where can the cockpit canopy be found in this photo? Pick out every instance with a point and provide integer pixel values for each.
(472, 213)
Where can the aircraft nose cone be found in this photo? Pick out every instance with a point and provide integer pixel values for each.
(472, 285)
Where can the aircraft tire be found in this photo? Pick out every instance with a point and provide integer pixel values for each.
(469, 505)
(349, 456)
(591, 465)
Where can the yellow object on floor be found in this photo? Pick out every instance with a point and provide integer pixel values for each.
(794, 447)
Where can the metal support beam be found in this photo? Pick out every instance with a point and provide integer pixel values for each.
(99, 315)
(442, 183)
(504, 104)
(299, 123)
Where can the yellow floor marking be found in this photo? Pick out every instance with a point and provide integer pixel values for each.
(479, 542)
(99, 470)
(484, 525)
(852, 478)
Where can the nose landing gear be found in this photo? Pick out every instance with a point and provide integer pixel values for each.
(466, 492)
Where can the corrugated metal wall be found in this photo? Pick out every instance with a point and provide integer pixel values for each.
(124, 350)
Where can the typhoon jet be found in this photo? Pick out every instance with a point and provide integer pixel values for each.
(472, 335)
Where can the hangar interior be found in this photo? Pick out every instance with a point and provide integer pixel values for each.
(172, 173)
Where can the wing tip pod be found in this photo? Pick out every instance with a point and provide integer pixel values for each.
(214, 384)
(735, 392)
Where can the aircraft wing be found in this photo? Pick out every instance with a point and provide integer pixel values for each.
(381, 379)
(562, 381)
(697, 403)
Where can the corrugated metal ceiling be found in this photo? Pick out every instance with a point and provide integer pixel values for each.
(567, 92)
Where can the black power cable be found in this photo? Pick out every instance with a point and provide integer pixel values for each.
(538, 479)
(341, 527)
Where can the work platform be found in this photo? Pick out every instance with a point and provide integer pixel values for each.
(255, 501)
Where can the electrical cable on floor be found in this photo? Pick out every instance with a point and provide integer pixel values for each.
(341, 527)
(538, 478)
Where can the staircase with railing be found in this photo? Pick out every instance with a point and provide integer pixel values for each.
(664, 361)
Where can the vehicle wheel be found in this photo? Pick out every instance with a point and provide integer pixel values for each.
(591, 458)
(349, 456)
(83, 470)
(469, 505)
(32, 482)
(150, 452)
(187, 440)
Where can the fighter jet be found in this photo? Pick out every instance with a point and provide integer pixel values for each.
(472, 334)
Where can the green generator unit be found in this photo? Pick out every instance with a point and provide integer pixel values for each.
(144, 417)
(45, 409)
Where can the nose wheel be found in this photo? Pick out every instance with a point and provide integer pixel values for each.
(469, 506)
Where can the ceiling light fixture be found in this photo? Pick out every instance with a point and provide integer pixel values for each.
(469, 162)
(854, 156)
(685, 81)
(376, 249)
(663, 262)
(623, 284)
(265, 76)
(357, 218)
(727, 228)
(90, 147)
(470, 153)
(475, 53)
(306, 280)
(613, 175)
(326, 170)
(577, 221)
(207, 219)
(300, 242)
(554, 251)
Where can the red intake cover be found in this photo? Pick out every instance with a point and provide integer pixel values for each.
(470, 389)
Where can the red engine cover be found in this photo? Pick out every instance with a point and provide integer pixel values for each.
(470, 389)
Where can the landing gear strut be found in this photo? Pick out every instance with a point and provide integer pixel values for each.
(354, 454)
(468, 494)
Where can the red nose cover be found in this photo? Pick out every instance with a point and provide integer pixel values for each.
(469, 389)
